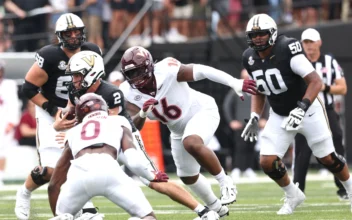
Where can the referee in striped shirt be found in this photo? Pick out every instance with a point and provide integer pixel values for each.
(333, 84)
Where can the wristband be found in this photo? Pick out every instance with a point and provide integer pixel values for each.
(254, 114)
(304, 104)
(142, 114)
(327, 88)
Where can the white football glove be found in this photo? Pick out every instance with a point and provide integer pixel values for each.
(251, 129)
(295, 118)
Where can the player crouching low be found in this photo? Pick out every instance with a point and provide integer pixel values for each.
(88, 164)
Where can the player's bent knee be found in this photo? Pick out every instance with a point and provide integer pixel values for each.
(337, 165)
(278, 170)
(38, 174)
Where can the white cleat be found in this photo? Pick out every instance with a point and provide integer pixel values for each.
(90, 216)
(290, 203)
(208, 214)
(223, 211)
(228, 192)
(23, 205)
(65, 216)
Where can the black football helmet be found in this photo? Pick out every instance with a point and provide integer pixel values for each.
(137, 66)
(89, 102)
(68, 22)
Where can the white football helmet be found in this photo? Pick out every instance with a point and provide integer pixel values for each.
(261, 23)
(67, 22)
(90, 65)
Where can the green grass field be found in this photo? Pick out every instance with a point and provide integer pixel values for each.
(255, 201)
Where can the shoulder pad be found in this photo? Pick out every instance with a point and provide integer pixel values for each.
(92, 47)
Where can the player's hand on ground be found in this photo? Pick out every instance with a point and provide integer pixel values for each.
(160, 177)
(60, 138)
(61, 123)
(147, 107)
(251, 130)
(245, 85)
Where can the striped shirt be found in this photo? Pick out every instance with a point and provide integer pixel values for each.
(329, 70)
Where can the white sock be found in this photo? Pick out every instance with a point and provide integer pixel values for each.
(202, 189)
(221, 177)
(25, 191)
(290, 189)
(348, 185)
(199, 208)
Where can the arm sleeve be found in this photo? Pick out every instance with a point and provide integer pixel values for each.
(134, 163)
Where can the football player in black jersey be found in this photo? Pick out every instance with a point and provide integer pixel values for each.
(286, 77)
(45, 85)
(83, 66)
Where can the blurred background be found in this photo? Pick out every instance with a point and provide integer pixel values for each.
(193, 31)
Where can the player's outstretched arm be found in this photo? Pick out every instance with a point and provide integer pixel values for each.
(195, 72)
(59, 177)
(133, 160)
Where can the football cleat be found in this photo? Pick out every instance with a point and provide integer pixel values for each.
(208, 214)
(65, 216)
(228, 192)
(223, 211)
(90, 216)
(23, 205)
(290, 203)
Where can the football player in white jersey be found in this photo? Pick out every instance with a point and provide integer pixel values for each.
(290, 83)
(45, 85)
(88, 163)
(82, 66)
(160, 92)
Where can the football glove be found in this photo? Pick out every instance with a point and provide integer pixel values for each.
(244, 85)
(147, 107)
(295, 118)
(251, 129)
(160, 176)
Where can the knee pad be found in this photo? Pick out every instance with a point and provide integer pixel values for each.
(38, 174)
(279, 170)
(338, 164)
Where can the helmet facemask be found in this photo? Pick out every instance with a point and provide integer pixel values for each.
(260, 25)
(137, 66)
(88, 66)
(138, 77)
(272, 35)
(77, 41)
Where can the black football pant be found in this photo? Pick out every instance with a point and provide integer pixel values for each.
(303, 152)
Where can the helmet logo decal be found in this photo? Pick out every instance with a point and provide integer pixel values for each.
(70, 22)
(256, 24)
(62, 65)
(90, 60)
